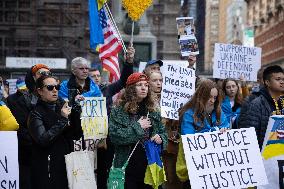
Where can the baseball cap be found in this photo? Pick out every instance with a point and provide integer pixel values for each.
(151, 62)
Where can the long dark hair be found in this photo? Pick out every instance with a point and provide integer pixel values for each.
(199, 101)
(130, 103)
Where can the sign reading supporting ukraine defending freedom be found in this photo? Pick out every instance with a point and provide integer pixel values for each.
(273, 153)
(224, 160)
(178, 88)
(94, 122)
(234, 61)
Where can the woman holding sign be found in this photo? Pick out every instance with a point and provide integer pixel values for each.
(48, 124)
(135, 121)
(203, 112)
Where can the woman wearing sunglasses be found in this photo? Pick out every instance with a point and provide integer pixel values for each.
(48, 126)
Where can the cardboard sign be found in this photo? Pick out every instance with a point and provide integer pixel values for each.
(95, 127)
(234, 61)
(178, 87)
(224, 160)
(94, 123)
(9, 168)
(273, 152)
(94, 107)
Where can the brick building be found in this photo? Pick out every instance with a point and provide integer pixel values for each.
(267, 18)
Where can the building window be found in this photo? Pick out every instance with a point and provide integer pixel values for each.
(160, 45)
(24, 4)
(11, 4)
(160, 56)
(10, 16)
(24, 17)
(23, 43)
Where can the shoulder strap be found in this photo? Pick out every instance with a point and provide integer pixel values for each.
(126, 163)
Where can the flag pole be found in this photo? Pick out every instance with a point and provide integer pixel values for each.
(132, 31)
(115, 27)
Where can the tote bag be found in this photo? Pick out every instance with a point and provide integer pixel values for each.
(116, 177)
(80, 170)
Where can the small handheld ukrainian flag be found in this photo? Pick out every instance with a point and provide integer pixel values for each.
(155, 174)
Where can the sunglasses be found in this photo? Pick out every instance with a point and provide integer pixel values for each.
(45, 73)
(51, 87)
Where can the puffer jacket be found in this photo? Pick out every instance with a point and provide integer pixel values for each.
(7, 120)
(260, 109)
(189, 127)
(231, 112)
(245, 107)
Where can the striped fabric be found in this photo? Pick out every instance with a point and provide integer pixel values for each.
(108, 52)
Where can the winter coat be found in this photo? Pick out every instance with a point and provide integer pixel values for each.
(260, 109)
(231, 112)
(245, 107)
(50, 143)
(124, 133)
(21, 104)
(92, 90)
(7, 120)
(189, 127)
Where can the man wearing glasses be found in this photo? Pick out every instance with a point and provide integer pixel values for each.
(75, 89)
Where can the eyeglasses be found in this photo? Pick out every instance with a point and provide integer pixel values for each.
(83, 69)
(45, 73)
(51, 87)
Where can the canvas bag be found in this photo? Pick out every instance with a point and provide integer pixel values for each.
(80, 170)
(116, 176)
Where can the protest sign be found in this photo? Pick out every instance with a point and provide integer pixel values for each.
(178, 87)
(12, 86)
(9, 169)
(234, 61)
(94, 107)
(273, 152)
(224, 160)
(94, 122)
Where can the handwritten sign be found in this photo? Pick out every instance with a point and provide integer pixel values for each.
(94, 107)
(178, 87)
(9, 169)
(234, 61)
(224, 160)
(94, 123)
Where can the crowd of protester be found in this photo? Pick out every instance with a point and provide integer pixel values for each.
(47, 125)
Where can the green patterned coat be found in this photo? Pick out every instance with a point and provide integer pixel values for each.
(125, 132)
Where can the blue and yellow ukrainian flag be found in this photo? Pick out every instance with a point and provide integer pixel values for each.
(155, 174)
(96, 32)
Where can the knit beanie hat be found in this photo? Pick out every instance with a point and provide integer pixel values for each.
(136, 77)
(36, 67)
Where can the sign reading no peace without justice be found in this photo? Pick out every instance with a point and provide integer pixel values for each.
(224, 160)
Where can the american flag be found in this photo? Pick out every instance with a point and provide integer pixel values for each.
(108, 52)
(280, 129)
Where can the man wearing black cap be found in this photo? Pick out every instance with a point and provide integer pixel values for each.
(153, 66)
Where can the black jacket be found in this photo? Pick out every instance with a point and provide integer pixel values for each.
(49, 131)
(21, 104)
(245, 107)
(110, 90)
(258, 114)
